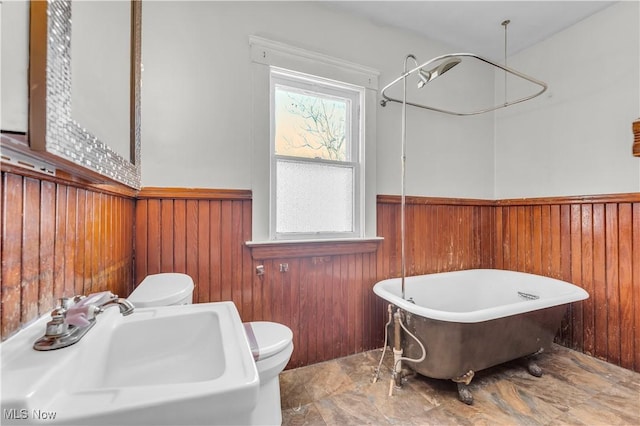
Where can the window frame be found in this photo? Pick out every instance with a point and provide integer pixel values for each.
(265, 53)
(356, 94)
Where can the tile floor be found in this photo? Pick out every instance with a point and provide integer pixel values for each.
(575, 389)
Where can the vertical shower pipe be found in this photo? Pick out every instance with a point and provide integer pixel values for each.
(403, 160)
(397, 346)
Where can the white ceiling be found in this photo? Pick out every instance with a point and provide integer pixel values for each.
(475, 26)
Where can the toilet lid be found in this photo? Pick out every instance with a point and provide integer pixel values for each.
(267, 338)
(161, 289)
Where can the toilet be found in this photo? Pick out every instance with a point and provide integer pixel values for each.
(163, 290)
(271, 343)
(271, 346)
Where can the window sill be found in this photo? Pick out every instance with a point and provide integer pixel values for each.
(309, 248)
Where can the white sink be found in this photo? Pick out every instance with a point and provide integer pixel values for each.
(147, 351)
(176, 365)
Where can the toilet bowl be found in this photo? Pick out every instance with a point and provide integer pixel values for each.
(271, 343)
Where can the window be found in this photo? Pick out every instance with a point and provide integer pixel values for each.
(316, 150)
(331, 169)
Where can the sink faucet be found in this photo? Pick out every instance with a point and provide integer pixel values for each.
(126, 307)
(75, 317)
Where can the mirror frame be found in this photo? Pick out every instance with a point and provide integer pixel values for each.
(51, 127)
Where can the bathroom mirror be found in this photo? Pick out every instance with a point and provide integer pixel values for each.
(78, 110)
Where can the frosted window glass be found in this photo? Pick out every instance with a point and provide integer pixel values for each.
(314, 197)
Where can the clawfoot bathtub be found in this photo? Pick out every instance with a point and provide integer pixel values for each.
(473, 319)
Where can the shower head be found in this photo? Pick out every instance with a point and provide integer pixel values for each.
(427, 76)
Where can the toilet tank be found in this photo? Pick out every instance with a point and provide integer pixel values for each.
(163, 290)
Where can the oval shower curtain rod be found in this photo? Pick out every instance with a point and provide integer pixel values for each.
(446, 62)
(420, 69)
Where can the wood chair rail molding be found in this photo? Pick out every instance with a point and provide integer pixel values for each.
(396, 199)
(194, 193)
(63, 178)
(630, 197)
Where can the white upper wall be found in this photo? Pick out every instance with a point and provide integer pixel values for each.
(573, 140)
(197, 100)
(576, 138)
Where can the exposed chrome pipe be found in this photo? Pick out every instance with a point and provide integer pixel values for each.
(505, 23)
(403, 160)
(398, 351)
(384, 346)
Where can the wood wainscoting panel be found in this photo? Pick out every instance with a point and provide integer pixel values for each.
(441, 235)
(195, 237)
(324, 295)
(635, 128)
(60, 239)
(593, 243)
(199, 233)
(327, 301)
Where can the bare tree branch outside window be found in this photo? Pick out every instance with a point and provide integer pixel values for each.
(320, 125)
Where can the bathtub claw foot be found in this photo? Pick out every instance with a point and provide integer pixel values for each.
(464, 394)
(465, 378)
(530, 362)
(534, 369)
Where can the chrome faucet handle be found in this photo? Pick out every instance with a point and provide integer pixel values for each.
(81, 314)
(58, 325)
(59, 311)
(71, 321)
(66, 302)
